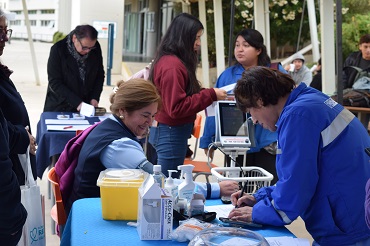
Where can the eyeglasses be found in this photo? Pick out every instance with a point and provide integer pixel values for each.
(85, 48)
(5, 34)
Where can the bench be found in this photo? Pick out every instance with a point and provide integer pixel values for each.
(362, 114)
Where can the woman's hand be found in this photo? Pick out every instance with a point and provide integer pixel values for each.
(221, 94)
(228, 187)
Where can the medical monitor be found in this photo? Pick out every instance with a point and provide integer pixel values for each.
(231, 125)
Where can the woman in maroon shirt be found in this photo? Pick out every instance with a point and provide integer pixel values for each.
(173, 71)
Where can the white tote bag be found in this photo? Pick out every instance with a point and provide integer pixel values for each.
(33, 232)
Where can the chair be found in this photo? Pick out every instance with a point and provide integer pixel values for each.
(200, 167)
(58, 213)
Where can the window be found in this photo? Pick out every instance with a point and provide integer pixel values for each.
(32, 12)
(32, 22)
(47, 11)
(15, 22)
(45, 22)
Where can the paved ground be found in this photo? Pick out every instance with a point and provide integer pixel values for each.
(17, 57)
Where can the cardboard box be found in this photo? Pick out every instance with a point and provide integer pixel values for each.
(119, 189)
(155, 212)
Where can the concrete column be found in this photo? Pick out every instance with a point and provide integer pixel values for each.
(152, 35)
(262, 21)
(327, 47)
(313, 30)
(219, 37)
(204, 41)
(63, 22)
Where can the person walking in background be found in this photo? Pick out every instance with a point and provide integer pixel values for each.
(360, 59)
(75, 71)
(317, 78)
(15, 112)
(321, 160)
(12, 213)
(173, 71)
(249, 51)
(299, 71)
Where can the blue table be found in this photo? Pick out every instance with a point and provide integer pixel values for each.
(51, 143)
(86, 226)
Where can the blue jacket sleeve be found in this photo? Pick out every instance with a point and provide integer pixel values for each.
(208, 132)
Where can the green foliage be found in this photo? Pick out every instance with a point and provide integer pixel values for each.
(356, 27)
(285, 21)
(58, 36)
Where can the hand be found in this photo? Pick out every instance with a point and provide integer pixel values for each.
(245, 200)
(32, 142)
(228, 187)
(287, 67)
(211, 152)
(241, 214)
(94, 103)
(79, 107)
(221, 94)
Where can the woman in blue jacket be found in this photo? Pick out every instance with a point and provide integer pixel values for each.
(249, 51)
(321, 160)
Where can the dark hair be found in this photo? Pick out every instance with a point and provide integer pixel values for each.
(261, 83)
(179, 41)
(319, 61)
(255, 39)
(85, 31)
(133, 95)
(365, 39)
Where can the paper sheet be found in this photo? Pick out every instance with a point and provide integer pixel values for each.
(87, 109)
(65, 122)
(210, 110)
(221, 210)
(66, 128)
(287, 241)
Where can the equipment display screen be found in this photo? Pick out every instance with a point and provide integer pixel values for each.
(232, 120)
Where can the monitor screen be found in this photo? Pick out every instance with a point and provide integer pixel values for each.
(232, 120)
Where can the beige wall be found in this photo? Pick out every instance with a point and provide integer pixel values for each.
(84, 12)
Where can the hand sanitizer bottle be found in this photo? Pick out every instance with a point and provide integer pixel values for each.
(158, 175)
(186, 188)
(170, 186)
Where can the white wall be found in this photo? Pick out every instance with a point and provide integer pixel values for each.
(84, 12)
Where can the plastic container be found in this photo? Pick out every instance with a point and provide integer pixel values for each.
(119, 193)
(158, 175)
(227, 236)
(256, 177)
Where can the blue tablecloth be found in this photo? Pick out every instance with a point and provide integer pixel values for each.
(86, 226)
(51, 143)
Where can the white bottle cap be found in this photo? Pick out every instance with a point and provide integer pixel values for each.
(157, 168)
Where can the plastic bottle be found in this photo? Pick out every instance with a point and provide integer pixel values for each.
(158, 175)
(186, 188)
(170, 186)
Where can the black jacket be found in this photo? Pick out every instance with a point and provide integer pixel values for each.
(349, 74)
(12, 213)
(66, 90)
(15, 112)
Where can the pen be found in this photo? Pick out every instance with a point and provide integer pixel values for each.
(242, 192)
(67, 127)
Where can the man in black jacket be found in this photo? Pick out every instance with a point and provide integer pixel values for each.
(360, 59)
(75, 71)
